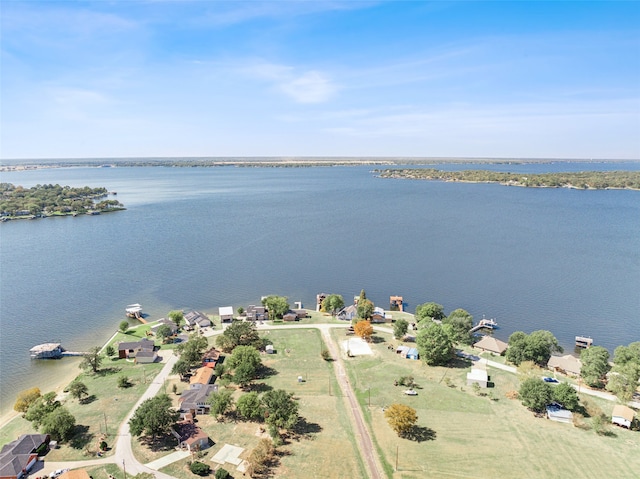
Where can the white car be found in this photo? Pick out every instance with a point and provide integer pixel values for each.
(410, 392)
(57, 472)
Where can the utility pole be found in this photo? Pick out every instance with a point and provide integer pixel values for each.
(369, 396)
(125, 469)
(396, 459)
(106, 432)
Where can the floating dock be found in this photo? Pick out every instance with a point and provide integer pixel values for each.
(484, 323)
(134, 311)
(396, 303)
(51, 351)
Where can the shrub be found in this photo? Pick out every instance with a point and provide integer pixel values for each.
(123, 382)
(222, 473)
(326, 355)
(199, 468)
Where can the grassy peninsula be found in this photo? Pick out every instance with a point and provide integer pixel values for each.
(17, 202)
(584, 180)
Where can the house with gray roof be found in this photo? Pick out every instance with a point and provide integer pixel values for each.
(197, 319)
(18, 457)
(131, 349)
(195, 401)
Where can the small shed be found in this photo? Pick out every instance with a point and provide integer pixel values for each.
(558, 414)
(478, 375)
(402, 350)
(269, 349)
(622, 416)
(412, 354)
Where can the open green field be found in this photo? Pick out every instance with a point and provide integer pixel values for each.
(325, 433)
(465, 435)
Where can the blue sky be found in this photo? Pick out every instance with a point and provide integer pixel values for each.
(505, 79)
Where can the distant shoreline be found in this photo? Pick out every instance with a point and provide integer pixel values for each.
(277, 162)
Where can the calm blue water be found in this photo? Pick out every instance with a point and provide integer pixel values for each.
(557, 259)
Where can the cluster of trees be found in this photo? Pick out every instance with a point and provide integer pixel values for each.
(276, 408)
(537, 395)
(191, 354)
(537, 347)
(621, 379)
(154, 417)
(239, 333)
(332, 304)
(582, 179)
(51, 199)
(46, 413)
(277, 306)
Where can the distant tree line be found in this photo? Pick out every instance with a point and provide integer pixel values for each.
(52, 199)
(598, 180)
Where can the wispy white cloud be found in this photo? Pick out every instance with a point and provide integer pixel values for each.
(299, 84)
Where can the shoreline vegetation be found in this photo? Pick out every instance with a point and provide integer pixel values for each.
(583, 180)
(43, 201)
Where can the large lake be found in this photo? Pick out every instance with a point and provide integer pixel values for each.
(557, 259)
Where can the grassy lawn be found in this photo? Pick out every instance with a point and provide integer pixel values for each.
(465, 435)
(106, 406)
(326, 431)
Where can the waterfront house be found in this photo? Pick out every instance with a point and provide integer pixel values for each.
(226, 314)
(201, 378)
(131, 349)
(492, 345)
(18, 457)
(478, 375)
(196, 319)
(622, 416)
(567, 364)
(256, 313)
(559, 414)
(196, 401)
(348, 313)
(379, 316)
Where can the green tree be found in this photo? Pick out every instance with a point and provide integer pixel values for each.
(566, 395)
(627, 354)
(623, 380)
(109, 350)
(154, 417)
(461, 323)
(245, 361)
(25, 399)
(595, 365)
(91, 360)
(59, 424)
(333, 303)
(364, 309)
(124, 382)
(221, 403)
(238, 333)
(200, 468)
(400, 328)
(177, 317)
(401, 418)
(222, 474)
(535, 394)
(249, 407)
(434, 345)
(164, 332)
(182, 368)
(276, 305)
(40, 408)
(280, 409)
(536, 347)
(430, 311)
(124, 326)
(193, 350)
(78, 390)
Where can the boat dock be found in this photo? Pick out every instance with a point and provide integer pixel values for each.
(484, 323)
(134, 311)
(583, 342)
(51, 351)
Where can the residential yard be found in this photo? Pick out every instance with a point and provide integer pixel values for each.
(324, 435)
(465, 435)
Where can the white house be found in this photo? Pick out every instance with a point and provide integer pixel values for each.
(622, 416)
(478, 375)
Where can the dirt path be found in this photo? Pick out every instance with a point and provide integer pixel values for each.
(362, 433)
